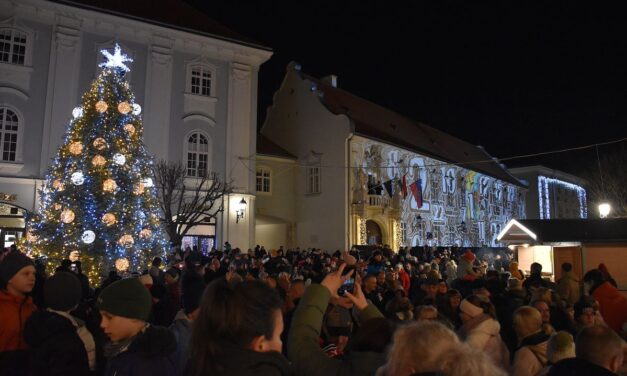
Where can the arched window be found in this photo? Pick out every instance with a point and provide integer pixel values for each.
(264, 179)
(197, 155)
(9, 126)
(12, 46)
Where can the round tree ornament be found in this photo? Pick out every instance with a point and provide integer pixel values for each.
(122, 264)
(148, 183)
(101, 106)
(109, 186)
(124, 108)
(98, 161)
(119, 159)
(126, 241)
(130, 129)
(77, 178)
(58, 185)
(77, 112)
(137, 109)
(145, 233)
(76, 148)
(88, 237)
(109, 219)
(67, 216)
(100, 143)
(139, 188)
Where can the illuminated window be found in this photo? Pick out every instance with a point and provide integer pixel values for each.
(9, 126)
(264, 180)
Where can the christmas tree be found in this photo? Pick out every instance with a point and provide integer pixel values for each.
(98, 197)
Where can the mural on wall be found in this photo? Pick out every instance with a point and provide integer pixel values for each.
(439, 204)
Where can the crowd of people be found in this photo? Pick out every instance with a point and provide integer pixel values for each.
(308, 312)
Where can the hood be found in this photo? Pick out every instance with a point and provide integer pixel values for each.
(482, 323)
(44, 326)
(154, 342)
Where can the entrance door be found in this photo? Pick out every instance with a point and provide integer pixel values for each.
(202, 243)
(373, 233)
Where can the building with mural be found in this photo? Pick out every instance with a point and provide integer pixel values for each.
(362, 174)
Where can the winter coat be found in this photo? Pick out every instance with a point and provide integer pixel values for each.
(464, 268)
(578, 367)
(612, 305)
(55, 347)
(531, 358)
(152, 352)
(14, 311)
(244, 362)
(568, 288)
(303, 344)
(405, 281)
(181, 328)
(482, 333)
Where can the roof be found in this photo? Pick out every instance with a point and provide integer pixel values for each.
(590, 230)
(175, 14)
(376, 122)
(267, 147)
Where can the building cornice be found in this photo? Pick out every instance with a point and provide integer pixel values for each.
(137, 31)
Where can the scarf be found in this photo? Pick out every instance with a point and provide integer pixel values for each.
(113, 349)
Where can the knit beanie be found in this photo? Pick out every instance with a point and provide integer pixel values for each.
(12, 264)
(469, 256)
(62, 291)
(560, 346)
(126, 298)
(192, 293)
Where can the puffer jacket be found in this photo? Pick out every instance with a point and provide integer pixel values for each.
(482, 333)
(14, 311)
(612, 305)
(152, 352)
(531, 358)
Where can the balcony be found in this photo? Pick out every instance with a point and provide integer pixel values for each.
(378, 201)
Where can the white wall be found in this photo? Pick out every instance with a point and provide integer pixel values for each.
(271, 236)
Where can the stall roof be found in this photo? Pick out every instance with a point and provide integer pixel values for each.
(590, 230)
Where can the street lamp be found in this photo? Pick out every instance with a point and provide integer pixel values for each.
(241, 209)
(604, 209)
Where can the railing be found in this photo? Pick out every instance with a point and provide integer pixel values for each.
(376, 200)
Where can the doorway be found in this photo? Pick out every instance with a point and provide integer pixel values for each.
(373, 233)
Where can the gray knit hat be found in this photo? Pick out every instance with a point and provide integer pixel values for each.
(62, 291)
(12, 264)
(127, 298)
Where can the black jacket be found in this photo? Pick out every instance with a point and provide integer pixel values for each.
(577, 367)
(242, 362)
(55, 347)
(153, 353)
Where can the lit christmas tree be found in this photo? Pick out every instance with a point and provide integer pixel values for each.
(98, 197)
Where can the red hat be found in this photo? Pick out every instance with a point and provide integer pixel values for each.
(603, 268)
(469, 255)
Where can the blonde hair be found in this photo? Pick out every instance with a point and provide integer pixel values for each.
(527, 321)
(416, 348)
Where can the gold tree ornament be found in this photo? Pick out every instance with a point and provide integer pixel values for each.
(145, 233)
(98, 161)
(101, 106)
(76, 148)
(124, 108)
(100, 143)
(139, 188)
(58, 185)
(57, 206)
(30, 236)
(109, 219)
(126, 241)
(122, 264)
(130, 129)
(109, 185)
(67, 216)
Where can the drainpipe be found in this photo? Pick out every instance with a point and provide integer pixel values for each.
(347, 215)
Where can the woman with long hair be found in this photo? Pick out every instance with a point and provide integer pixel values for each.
(238, 331)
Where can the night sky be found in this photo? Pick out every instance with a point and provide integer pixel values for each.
(514, 77)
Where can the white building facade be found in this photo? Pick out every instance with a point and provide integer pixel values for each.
(197, 86)
(350, 158)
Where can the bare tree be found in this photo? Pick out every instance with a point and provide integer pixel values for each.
(187, 202)
(609, 182)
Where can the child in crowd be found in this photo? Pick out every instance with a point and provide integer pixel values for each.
(17, 279)
(136, 347)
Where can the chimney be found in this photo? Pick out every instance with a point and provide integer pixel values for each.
(330, 80)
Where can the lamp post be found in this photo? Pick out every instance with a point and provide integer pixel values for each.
(604, 209)
(241, 209)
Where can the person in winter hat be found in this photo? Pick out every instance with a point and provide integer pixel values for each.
(17, 279)
(612, 304)
(52, 334)
(136, 347)
(568, 286)
(465, 269)
(480, 328)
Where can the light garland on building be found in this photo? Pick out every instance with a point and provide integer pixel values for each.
(545, 199)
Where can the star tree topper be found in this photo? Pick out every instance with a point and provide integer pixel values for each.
(116, 60)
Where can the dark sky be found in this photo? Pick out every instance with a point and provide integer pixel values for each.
(515, 77)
